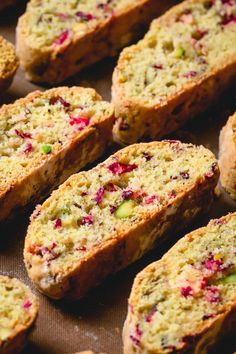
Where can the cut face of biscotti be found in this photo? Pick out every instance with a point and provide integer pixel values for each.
(46, 137)
(227, 156)
(57, 39)
(102, 220)
(8, 64)
(183, 63)
(183, 302)
(18, 312)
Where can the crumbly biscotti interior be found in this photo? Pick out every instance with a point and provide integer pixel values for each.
(181, 47)
(32, 129)
(187, 289)
(50, 23)
(93, 207)
(18, 307)
(8, 58)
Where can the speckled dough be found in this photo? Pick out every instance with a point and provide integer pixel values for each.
(55, 41)
(184, 62)
(18, 312)
(185, 302)
(47, 136)
(8, 64)
(227, 156)
(101, 220)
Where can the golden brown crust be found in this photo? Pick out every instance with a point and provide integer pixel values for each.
(82, 150)
(148, 121)
(227, 157)
(46, 65)
(10, 66)
(126, 248)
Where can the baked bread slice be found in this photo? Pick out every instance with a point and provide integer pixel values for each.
(8, 64)
(55, 41)
(227, 156)
(184, 62)
(18, 312)
(185, 301)
(47, 136)
(101, 220)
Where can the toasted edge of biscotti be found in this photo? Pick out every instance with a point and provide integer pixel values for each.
(227, 157)
(82, 150)
(124, 249)
(204, 338)
(46, 65)
(16, 342)
(137, 121)
(11, 64)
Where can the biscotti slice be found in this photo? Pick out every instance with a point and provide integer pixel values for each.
(185, 301)
(184, 62)
(8, 64)
(47, 136)
(101, 220)
(56, 40)
(18, 312)
(227, 156)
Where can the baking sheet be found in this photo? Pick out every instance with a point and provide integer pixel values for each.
(96, 322)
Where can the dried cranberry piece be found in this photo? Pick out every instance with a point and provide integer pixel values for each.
(81, 248)
(80, 122)
(128, 194)
(187, 291)
(118, 168)
(212, 294)
(28, 148)
(158, 66)
(149, 317)
(23, 135)
(151, 199)
(190, 74)
(57, 223)
(85, 16)
(147, 156)
(99, 195)
(184, 175)
(87, 220)
(207, 316)
(62, 38)
(228, 19)
(54, 100)
(112, 209)
(211, 264)
(27, 304)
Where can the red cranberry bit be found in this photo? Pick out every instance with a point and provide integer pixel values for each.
(187, 291)
(23, 135)
(129, 194)
(228, 2)
(212, 294)
(151, 199)
(118, 168)
(212, 170)
(99, 195)
(158, 66)
(87, 220)
(57, 224)
(27, 304)
(172, 194)
(36, 214)
(83, 194)
(84, 16)
(112, 209)
(212, 264)
(147, 156)
(81, 248)
(207, 316)
(149, 317)
(28, 148)
(227, 19)
(220, 221)
(80, 122)
(190, 74)
(62, 38)
(184, 175)
(199, 34)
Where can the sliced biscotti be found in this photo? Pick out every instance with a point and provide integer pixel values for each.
(8, 63)
(185, 301)
(183, 63)
(227, 156)
(102, 220)
(18, 312)
(56, 40)
(47, 136)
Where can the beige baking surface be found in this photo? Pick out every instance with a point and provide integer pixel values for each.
(95, 323)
